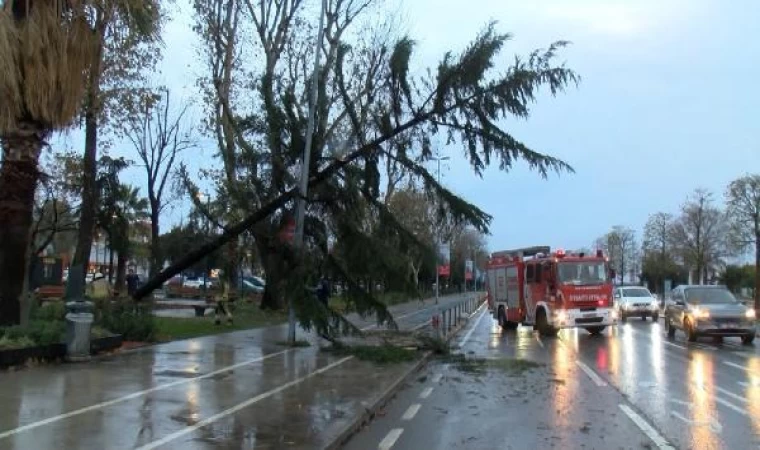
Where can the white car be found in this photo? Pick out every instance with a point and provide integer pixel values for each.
(636, 301)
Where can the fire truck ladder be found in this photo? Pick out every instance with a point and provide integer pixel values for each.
(522, 252)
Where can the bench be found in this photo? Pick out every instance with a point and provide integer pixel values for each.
(50, 292)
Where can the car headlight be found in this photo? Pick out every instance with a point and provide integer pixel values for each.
(700, 313)
(750, 314)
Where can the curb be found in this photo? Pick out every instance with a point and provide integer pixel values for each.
(387, 395)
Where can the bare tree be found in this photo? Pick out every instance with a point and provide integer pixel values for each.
(159, 135)
(743, 211)
(620, 246)
(699, 234)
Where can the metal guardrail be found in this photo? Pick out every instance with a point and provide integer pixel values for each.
(447, 319)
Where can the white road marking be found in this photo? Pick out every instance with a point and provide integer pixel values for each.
(647, 429)
(240, 406)
(714, 425)
(730, 405)
(474, 327)
(681, 402)
(540, 342)
(734, 365)
(591, 374)
(390, 439)
(411, 412)
(731, 394)
(426, 393)
(674, 345)
(134, 395)
(437, 377)
(417, 327)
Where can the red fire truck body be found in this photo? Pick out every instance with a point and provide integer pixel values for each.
(550, 291)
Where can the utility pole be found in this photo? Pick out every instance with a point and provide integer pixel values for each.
(438, 236)
(304, 185)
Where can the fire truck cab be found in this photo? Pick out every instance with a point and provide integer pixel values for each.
(550, 291)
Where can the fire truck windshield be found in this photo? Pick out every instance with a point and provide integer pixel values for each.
(582, 273)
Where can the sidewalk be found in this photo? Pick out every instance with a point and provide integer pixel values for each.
(239, 390)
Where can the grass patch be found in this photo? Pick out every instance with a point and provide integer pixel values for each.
(479, 366)
(298, 343)
(378, 354)
(244, 317)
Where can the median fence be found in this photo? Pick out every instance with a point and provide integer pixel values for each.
(448, 319)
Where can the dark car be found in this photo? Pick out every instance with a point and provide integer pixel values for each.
(708, 311)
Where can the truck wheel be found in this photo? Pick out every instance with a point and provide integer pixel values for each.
(748, 339)
(500, 316)
(655, 317)
(595, 331)
(543, 325)
(504, 323)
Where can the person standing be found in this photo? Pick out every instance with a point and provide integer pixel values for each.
(222, 298)
(132, 281)
(323, 291)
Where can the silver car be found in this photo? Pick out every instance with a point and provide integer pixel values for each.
(708, 311)
(636, 301)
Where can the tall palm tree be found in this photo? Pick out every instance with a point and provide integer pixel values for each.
(45, 47)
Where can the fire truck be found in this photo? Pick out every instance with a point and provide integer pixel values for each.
(550, 291)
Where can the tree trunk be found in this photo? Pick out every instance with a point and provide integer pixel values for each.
(110, 261)
(757, 272)
(272, 262)
(90, 196)
(156, 258)
(18, 181)
(121, 272)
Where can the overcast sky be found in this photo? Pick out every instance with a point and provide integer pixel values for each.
(667, 103)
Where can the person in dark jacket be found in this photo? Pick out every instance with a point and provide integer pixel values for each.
(132, 281)
(323, 291)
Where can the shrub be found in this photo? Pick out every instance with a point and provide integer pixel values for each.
(50, 311)
(133, 322)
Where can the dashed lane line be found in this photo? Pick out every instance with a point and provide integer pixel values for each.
(426, 393)
(647, 429)
(411, 411)
(437, 377)
(591, 374)
(390, 439)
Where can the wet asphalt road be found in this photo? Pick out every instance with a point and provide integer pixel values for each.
(632, 388)
(238, 390)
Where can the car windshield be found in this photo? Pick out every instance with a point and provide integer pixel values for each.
(700, 296)
(582, 273)
(636, 292)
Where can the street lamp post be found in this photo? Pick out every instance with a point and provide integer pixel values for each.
(438, 236)
(304, 182)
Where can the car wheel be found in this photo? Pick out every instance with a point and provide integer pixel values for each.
(748, 339)
(623, 317)
(670, 328)
(655, 317)
(691, 334)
